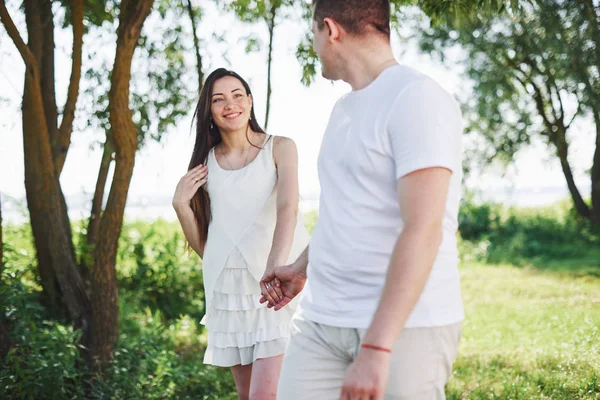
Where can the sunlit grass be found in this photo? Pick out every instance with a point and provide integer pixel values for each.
(528, 335)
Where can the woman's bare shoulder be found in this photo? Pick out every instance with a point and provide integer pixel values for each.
(284, 148)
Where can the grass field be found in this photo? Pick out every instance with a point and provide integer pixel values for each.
(529, 334)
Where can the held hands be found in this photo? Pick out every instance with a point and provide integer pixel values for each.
(270, 287)
(284, 282)
(189, 184)
(367, 376)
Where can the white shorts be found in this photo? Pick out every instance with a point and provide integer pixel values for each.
(316, 359)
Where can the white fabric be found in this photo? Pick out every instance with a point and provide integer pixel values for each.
(402, 122)
(240, 234)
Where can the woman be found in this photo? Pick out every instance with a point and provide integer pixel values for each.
(238, 207)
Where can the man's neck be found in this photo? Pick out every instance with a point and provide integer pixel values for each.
(365, 62)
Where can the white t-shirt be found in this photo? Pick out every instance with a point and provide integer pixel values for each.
(402, 122)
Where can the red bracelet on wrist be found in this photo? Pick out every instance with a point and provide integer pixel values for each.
(370, 346)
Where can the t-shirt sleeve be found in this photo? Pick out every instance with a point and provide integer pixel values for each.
(425, 128)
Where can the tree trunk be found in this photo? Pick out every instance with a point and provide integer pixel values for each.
(45, 204)
(190, 11)
(562, 150)
(36, 214)
(104, 329)
(1, 242)
(44, 199)
(5, 343)
(40, 27)
(271, 26)
(596, 174)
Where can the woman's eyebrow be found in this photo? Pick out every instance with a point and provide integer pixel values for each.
(221, 94)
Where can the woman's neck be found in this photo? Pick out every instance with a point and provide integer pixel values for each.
(237, 141)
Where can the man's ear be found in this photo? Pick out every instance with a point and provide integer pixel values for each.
(334, 29)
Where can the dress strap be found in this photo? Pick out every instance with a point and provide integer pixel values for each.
(266, 142)
(268, 146)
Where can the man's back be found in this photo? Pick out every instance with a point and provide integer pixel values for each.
(402, 122)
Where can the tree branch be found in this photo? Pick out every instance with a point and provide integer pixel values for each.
(44, 33)
(579, 108)
(13, 32)
(550, 88)
(96, 212)
(536, 68)
(35, 34)
(190, 11)
(271, 27)
(61, 146)
(537, 96)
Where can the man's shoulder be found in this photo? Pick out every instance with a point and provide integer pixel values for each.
(405, 74)
(407, 80)
(412, 89)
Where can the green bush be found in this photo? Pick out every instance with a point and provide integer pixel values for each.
(42, 360)
(160, 348)
(499, 234)
(477, 220)
(158, 360)
(150, 361)
(153, 264)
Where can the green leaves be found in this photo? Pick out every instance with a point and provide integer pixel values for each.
(253, 43)
(534, 72)
(530, 68)
(96, 12)
(440, 13)
(160, 90)
(308, 60)
(247, 10)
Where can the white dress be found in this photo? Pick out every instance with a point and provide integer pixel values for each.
(240, 234)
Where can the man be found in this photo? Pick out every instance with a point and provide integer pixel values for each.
(381, 312)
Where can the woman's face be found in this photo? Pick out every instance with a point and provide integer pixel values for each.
(230, 105)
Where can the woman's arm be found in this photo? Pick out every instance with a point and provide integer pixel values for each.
(187, 187)
(286, 161)
(187, 220)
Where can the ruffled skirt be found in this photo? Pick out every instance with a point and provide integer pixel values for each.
(240, 329)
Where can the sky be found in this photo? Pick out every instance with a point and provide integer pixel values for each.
(298, 112)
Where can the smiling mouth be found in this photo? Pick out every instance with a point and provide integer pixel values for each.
(233, 115)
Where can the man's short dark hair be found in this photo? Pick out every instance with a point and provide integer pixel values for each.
(355, 16)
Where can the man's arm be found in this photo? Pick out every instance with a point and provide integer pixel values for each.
(422, 198)
(299, 266)
(290, 278)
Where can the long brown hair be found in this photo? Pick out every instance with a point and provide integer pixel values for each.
(207, 137)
